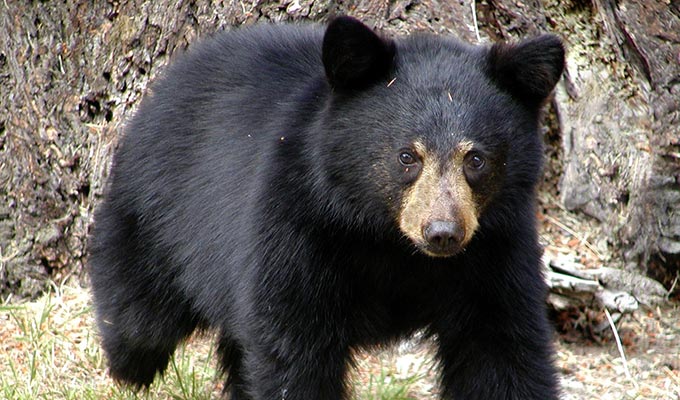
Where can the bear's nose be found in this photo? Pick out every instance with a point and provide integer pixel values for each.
(443, 237)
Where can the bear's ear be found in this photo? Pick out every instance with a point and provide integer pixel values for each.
(528, 70)
(353, 55)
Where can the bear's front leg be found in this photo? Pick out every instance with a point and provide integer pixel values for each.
(281, 372)
(495, 344)
(296, 364)
(493, 362)
(293, 336)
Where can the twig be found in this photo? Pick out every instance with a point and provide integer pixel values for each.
(620, 347)
(670, 374)
(676, 388)
(474, 19)
(675, 282)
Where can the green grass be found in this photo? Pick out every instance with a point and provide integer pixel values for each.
(387, 386)
(49, 350)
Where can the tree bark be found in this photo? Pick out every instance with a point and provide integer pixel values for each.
(620, 133)
(72, 72)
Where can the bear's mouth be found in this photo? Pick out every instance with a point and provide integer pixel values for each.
(425, 248)
(439, 252)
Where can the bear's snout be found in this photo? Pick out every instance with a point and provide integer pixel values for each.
(444, 238)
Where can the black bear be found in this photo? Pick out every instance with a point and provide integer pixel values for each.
(306, 191)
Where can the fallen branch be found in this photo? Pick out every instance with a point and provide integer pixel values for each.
(618, 291)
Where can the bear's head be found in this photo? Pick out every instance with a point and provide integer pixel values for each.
(432, 136)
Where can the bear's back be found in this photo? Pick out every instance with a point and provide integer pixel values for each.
(226, 87)
(257, 57)
(207, 130)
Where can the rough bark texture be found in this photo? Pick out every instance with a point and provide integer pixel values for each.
(71, 72)
(620, 131)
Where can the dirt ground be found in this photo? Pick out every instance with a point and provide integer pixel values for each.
(595, 369)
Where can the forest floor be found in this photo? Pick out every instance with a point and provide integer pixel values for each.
(49, 349)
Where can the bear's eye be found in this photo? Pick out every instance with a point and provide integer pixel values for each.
(475, 162)
(406, 158)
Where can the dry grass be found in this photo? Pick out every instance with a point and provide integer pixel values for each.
(50, 351)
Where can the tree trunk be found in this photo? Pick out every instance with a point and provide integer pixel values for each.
(72, 72)
(620, 132)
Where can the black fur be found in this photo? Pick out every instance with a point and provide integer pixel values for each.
(530, 69)
(250, 196)
(354, 56)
